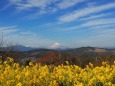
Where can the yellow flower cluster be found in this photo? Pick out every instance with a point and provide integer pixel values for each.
(13, 74)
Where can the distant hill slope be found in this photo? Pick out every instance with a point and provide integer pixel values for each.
(18, 48)
(81, 49)
(23, 48)
(90, 49)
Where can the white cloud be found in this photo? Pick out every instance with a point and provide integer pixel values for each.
(8, 29)
(96, 38)
(98, 22)
(95, 16)
(61, 4)
(68, 3)
(33, 41)
(35, 3)
(92, 23)
(15, 1)
(5, 7)
(85, 12)
(44, 6)
(91, 4)
(11, 34)
(104, 38)
(27, 33)
(102, 27)
(27, 4)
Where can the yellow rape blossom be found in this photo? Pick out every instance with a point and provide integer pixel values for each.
(19, 84)
(50, 75)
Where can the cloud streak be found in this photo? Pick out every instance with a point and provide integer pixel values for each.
(92, 17)
(88, 22)
(75, 15)
(8, 29)
(91, 23)
(13, 35)
(44, 6)
(68, 3)
(98, 22)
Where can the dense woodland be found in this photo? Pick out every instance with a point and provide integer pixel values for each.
(79, 56)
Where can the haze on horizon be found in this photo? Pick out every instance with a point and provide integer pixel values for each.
(58, 23)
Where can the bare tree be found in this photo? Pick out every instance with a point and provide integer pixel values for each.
(1, 40)
(8, 49)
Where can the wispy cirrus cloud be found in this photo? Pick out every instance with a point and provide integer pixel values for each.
(27, 33)
(8, 29)
(11, 34)
(29, 40)
(101, 38)
(96, 38)
(44, 6)
(5, 7)
(64, 4)
(88, 22)
(24, 5)
(98, 22)
(95, 16)
(91, 23)
(75, 15)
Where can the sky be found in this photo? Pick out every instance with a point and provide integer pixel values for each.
(58, 23)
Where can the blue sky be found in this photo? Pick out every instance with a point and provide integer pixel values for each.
(58, 23)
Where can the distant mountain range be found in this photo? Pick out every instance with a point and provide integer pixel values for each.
(89, 49)
(60, 54)
(17, 48)
(73, 51)
(23, 48)
(81, 49)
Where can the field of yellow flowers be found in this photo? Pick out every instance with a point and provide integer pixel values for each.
(12, 74)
